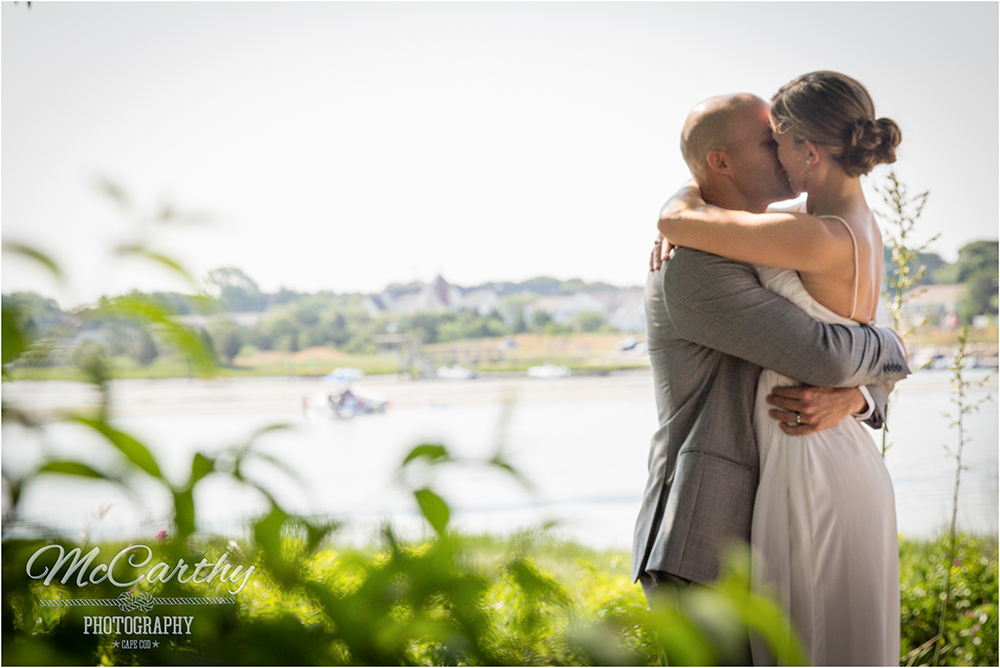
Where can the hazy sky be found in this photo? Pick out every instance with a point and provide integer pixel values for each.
(345, 146)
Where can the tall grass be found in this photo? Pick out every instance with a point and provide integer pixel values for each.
(899, 220)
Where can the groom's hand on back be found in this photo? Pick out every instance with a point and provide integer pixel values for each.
(818, 408)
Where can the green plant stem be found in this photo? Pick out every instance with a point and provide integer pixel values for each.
(960, 398)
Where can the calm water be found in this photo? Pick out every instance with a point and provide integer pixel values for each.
(581, 444)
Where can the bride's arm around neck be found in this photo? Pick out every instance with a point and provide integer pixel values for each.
(789, 239)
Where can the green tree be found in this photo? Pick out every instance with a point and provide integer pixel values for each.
(361, 341)
(335, 328)
(208, 346)
(543, 285)
(283, 296)
(976, 258)
(39, 314)
(591, 321)
(144, 350)
(932, 265)
(980, 296)
(230, 343)
(977, 268)
(175, 302)
(512, 311)
(539, 319)
(237, 291)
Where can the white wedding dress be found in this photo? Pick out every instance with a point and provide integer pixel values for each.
(824, 524)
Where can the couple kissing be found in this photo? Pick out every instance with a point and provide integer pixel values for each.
(766, 360)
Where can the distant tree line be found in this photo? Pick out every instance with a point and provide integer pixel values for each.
(290, 321)
(976, 267)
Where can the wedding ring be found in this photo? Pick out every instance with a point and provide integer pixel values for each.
(798, 418)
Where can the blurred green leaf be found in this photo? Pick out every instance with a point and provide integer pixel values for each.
(249, 443)
(499, 461)
(14, 486)
(681, 641)
(145, 310)
(201, 466)
(67, 467)
(267, 533)
(184, 513)
(133, 450)
(434, 509)
(759, 613)
(168, 214)
(113, 191)
(288, 470)
(317, 532)
(536, 584)
(432, 452)
(14, 340)
(159, 258)
(33, 253)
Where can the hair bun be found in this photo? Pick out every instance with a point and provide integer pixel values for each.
(868, 143)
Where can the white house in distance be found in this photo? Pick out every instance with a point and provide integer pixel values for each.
(624, 308)
(439, 295)
(933, 303)
(564, 309)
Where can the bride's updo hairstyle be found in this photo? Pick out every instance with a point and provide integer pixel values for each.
(835, 111)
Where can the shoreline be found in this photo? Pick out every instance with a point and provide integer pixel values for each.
(224, 395)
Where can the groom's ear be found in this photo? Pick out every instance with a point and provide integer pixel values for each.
(718, 161)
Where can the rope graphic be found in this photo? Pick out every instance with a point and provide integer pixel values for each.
(127, 602)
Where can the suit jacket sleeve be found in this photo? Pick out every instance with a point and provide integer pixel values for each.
(720, 304)
(880, 391)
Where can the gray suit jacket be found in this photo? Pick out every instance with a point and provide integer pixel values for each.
(711, 328)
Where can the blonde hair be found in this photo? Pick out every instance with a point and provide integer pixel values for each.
(835, 111)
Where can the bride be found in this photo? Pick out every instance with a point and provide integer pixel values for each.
(824, 525)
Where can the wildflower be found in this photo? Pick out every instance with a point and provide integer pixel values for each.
(161, 536)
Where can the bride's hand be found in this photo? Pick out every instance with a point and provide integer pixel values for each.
(662, 248)
(688, 197)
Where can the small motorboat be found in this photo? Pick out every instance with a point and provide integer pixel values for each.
(549, 370)
(343, 375)
(347, 403)
(457, 372)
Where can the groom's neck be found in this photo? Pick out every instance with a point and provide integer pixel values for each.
(726, 197)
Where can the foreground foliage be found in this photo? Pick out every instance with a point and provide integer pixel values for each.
(453, 599)
(971, 633)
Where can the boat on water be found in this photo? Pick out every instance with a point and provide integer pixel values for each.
(343, 375)
(348, 403)
(549, 370)
(457, 372)
(344, 401)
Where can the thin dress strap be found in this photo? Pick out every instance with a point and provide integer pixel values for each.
(854, 241)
